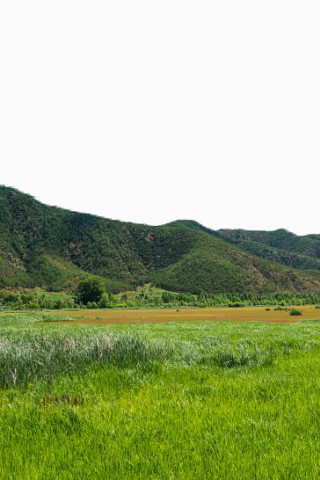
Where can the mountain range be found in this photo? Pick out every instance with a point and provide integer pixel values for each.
(55, 248)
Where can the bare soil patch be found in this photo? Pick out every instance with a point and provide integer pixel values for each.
(244, 314)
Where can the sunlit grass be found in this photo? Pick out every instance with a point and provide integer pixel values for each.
(176, 401)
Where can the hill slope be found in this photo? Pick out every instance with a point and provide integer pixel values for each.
(279, 246)
(51, 247)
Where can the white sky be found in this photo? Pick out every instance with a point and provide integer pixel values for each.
(152, 111)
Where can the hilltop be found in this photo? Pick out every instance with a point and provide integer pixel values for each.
(54, 248)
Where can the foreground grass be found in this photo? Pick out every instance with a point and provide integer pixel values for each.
(178, 401)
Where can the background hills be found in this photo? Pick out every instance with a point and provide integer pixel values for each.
(54, 248)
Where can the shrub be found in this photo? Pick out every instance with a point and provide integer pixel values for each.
(92, 305)
(104, 301)
(33, 305)
(293, 311)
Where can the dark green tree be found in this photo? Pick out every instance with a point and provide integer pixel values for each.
(90, 289)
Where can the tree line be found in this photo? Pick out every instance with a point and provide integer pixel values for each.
(92, 293)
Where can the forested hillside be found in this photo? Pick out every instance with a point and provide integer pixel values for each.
(55, 248)
(301, 252)
(280, 246)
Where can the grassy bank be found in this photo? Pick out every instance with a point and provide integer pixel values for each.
(165, 401)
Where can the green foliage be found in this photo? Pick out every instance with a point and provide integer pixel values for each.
(104, 301)
(90, 291)
(295, 312)
(151, 297)
(45, 301)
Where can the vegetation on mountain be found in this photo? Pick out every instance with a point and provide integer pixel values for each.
(280, 246)
(43, 246)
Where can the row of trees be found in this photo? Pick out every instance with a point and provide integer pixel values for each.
(34, 302)
(91, 293)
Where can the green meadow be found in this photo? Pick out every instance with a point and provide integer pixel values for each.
(158, 401)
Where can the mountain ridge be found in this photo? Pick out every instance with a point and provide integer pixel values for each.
(55, 248)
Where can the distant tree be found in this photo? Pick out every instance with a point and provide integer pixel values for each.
(166, 297)
(90, 289)
(112, 298)
(104, 301)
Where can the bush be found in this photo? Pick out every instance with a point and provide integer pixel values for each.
(295, 312)
(104, 301)
(33, 305)
(92, 305)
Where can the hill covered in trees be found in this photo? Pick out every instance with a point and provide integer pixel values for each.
(55, 248)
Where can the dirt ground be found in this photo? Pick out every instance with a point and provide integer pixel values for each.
(244, 314)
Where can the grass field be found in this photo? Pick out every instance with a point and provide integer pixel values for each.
(178, 400)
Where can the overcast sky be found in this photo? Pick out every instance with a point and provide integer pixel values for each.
(151, 111)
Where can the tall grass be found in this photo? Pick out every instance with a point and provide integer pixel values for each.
(42, 353)
(35, 356)
(179, 401)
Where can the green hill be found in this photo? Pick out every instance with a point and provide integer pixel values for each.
(54, 248)
(280, 246)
